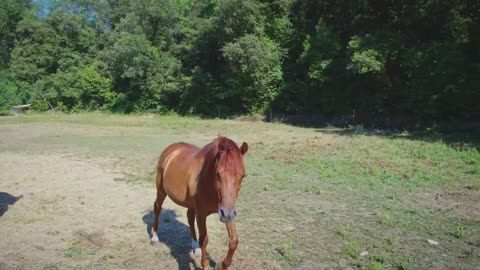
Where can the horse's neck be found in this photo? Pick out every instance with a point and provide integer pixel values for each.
(207, 175)
(208, 168)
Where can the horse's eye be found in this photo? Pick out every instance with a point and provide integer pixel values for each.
(217, 174)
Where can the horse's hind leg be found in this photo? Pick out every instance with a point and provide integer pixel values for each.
(157, 207)
(191, 223)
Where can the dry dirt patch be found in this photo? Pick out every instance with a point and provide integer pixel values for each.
(73, 215)
(465, 203)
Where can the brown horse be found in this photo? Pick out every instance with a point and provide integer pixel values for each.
(206, 181)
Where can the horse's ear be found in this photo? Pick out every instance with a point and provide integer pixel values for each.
(244, 148)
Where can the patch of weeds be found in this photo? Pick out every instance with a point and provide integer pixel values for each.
(380, 261)
(459, 231)
(282, 180)
(291, 212)
(378, 258)
(352, 250)
(470, 157)
(324, 171)
(474, 186)
(404, 263)
(411, 210)
(90, 252)
(344, 230)
(369, 170)
(314, 189)
(140, 178)
(389, 242)
(391, 197)
(308, 165)
(321, 168)
(106, 258)
(287, 254)
(387, 176)
(375, 266)
(372, 183)
(387, 219)
(253, 171)
(253, 165)
(266, 187)
(73, 250)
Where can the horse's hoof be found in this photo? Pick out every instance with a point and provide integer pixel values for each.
(155, 243)
(197, 252)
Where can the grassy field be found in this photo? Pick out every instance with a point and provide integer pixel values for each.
(314, 198)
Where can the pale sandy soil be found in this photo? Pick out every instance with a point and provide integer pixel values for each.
(74, 215)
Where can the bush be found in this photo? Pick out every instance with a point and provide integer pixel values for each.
(254, 72)
(96, 90)
(5, 112)
(9, 95)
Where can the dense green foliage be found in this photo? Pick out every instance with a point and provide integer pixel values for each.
(415, 59)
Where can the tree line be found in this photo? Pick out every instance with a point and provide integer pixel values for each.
(413, 58)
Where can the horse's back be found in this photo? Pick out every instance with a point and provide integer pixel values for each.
(177, 168)
(175, 149)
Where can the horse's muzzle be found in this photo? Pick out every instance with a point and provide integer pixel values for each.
(227, 214)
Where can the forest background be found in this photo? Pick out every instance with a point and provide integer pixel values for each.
(379, 63)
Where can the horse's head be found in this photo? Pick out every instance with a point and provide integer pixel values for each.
(229, 172)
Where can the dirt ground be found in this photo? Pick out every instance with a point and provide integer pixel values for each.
(77, 192)
(69, 213)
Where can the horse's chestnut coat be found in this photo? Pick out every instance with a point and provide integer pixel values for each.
(205, 180)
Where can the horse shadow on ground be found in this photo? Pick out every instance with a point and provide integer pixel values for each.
(7, 199)
(176, 235)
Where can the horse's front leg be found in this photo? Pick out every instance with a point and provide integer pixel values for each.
(232, 245)
(202, 231)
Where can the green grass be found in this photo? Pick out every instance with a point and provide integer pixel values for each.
(311, 195)
(75, 250)
(287, 254)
